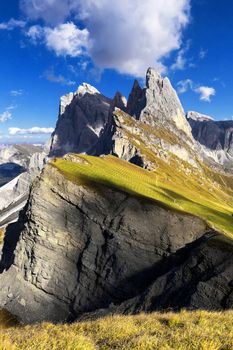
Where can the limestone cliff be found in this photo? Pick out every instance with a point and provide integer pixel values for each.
(158, 103)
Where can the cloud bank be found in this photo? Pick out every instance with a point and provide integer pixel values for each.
(128, 36)
(32, 131)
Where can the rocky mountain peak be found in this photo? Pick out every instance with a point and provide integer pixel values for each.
(157, 103)
(65, 101)
(85, 88)
(119, 101)
(152, 78)
(199, 117)
(83, 116)
(136, 100)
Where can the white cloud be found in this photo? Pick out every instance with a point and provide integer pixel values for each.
(5, 116)
(16, 93)
(52, 11)
(205, 92)
(35, 33)
(65, 40)
(181, 60)
(184, 85)
(34, 130)
(12, 24)
(60, 79)
(128, 36)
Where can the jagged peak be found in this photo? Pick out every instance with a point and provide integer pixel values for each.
(119, 98)
(136, 85)
(152, 77)
(86, 88)
(119, 101)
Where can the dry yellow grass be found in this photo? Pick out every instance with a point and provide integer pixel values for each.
(2, 232)
(198, 330)
(180, 192)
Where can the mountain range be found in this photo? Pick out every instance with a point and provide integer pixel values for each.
(132, 212)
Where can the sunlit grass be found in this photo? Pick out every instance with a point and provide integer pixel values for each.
(198, 330)
(171, 187)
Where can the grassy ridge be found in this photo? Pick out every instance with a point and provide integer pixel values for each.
(198, 330)
(173, 188)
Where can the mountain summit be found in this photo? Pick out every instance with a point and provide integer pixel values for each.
(86, 114)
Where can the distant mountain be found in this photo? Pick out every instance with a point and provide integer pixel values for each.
(216, 136)
(142, 220)
(14, 160)
(19, 165)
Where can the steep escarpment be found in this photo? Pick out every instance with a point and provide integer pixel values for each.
(83, 247)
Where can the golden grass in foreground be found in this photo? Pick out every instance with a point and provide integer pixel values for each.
(197, 330)
(176, 190)
(2, 232)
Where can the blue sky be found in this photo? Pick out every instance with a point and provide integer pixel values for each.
(49, 47)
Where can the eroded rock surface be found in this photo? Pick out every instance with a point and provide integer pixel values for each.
(83, 248)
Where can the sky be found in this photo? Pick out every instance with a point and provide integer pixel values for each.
(49, 47)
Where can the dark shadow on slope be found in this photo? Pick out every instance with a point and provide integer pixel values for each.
(197, 276)
(9, 171)
(11, 239)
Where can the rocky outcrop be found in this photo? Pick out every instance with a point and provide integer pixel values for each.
(198, 276)
(102, 246)
(158, 103)
(105, 249)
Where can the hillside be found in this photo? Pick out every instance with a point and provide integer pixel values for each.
(170, 187)
(198, 330)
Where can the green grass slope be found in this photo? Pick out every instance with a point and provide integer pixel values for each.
(207, 197)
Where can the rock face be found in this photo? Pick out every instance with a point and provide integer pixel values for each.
(83, 116)
(101, 247)
(216, 136)
(86, 124)
(197, 276)
(158, 103)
